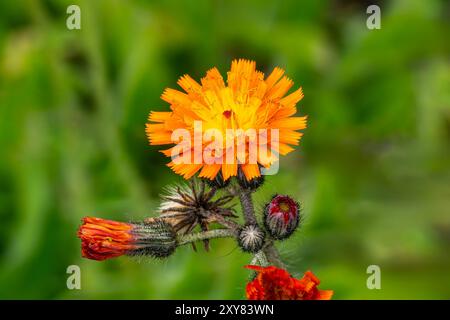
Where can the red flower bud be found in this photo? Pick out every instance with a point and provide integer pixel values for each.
(272, 283)
(103, 239)
(281, 216)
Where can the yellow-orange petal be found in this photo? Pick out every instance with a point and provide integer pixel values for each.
(210, 171)
(290, 137)
(175, 97)
(251, 171)
(280, 88)
(188, 84)
(282, 148)
(292, 98)
(292, 123)
(159, 116)
(150, 127)
(157, 138)
(276, 75)
(185, 170)
(213, 80)
(229, 170)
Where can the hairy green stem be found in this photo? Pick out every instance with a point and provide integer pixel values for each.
(260, 258)
(226, 223)
(248, 210)
(211, 234)
(273, 256)
(269, 254)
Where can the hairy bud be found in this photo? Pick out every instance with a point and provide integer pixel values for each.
(251, 238)
(157, 239)
(281, 216)
(103, 239)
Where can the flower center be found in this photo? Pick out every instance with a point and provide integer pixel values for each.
(227, 114)
(284, 207)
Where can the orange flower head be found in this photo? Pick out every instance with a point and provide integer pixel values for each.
(272, 283)
(103, 239)
(217, 127)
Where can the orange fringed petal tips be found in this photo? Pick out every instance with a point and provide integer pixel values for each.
(248, 101)
(272, 283)
(103, 239)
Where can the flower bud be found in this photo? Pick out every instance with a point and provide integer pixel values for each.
(281, 216)
(156, 239)
(103, 239)
(251, 238)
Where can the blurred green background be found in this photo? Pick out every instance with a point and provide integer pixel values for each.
(373, 169)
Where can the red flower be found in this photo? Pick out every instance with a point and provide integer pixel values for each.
(272, 283)
(103, 239)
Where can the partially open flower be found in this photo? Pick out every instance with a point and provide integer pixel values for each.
(281, 216)
(272, 283)
(103, 239)
(251, 238)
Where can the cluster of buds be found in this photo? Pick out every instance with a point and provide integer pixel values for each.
(280, 219)
(184, 209)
